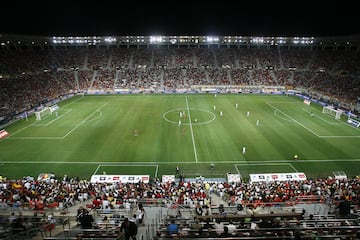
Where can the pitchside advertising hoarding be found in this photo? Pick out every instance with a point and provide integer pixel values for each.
(168, 178)
(3, 134)
(120, 178)
(233, 177)
(272, 177)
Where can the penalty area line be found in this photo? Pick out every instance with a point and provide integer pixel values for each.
(277, 162)
(84, 120)
(128, 165)
(271, 164)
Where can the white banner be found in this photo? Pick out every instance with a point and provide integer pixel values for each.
(120, 178)
(168, 178)
(272, 177)
(3, 134)
(233, 177)
(307, 101)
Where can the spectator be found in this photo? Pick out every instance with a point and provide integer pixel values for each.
(141, 215)
(199, 210)
(129, 228)
(218, 226)
(86, 220)
(231, 228)
(173, 228)
(17, 226)
(344, 207)
(225, 233)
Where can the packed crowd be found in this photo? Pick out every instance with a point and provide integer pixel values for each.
(37, 195)
(110, 198)
(31, 77)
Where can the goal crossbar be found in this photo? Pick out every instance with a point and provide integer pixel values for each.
(46, 111)
(335, 112)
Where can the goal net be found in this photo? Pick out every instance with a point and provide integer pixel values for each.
(332, 111)
(53, 108)
(46, 111)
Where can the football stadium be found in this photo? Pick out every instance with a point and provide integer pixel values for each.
(260, 135)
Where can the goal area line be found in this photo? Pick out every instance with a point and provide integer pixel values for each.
(266, 163)
(55, 138)
(314, 132)
(96, 172)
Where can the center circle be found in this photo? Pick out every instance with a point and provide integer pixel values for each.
(189, 116)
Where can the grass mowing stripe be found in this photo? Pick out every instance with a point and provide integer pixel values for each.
(110, 139)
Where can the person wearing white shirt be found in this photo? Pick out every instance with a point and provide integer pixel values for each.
(218, 226)
(231, 228)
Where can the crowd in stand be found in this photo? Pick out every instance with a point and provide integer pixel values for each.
(108, 197)
(37, 195)
(31, 77)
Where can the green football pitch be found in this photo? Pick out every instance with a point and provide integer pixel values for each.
(152, 134)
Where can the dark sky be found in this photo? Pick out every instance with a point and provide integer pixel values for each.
(178, 18)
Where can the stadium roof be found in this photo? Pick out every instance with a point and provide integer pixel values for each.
(10, 40)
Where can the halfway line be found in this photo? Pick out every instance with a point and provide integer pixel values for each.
(192, 133)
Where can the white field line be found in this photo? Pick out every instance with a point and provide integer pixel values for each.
(157, 170)
(323, 119)
(20, 130)
(63, 137)
(277, 115)
(84, 120)
(191, 129)
(96, 118)
(311, 131)
(35, 122)
(339, 136)
(55, 119)
(237, 170)
(293, 167)
(66, 105)
(271, 164)
(38, 138)
(275, 162)
(129, 165)
(96, 170)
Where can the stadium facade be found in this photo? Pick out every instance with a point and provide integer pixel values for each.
(344, 42)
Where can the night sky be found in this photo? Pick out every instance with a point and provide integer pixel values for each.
(178, 18)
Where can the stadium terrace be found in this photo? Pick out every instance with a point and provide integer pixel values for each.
(218, 136)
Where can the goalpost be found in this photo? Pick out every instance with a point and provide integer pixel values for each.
(332, 111)
(46, 111)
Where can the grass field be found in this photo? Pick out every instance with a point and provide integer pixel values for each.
(140, 134)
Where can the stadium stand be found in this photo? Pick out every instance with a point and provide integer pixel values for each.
(322, 207)
(35, 76)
